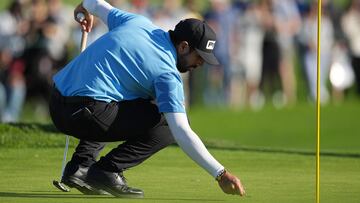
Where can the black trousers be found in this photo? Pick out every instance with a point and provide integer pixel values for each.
(137, 122)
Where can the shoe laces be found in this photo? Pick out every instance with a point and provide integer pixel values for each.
(121, 175)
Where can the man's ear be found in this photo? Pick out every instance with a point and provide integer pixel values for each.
(183, 47)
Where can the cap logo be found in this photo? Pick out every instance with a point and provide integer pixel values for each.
(210, 44)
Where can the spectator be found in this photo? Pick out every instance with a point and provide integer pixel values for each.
(270, 53)
(288, 23)
(58, 32)
(39, 63)
(4, 60)
(12, 84)
(341, 72)
(309, 39)
(351, 26)
(248, 54)
(221, 17)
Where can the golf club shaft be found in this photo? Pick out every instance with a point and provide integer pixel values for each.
(82, 48)
(65, 155)
(83, 40)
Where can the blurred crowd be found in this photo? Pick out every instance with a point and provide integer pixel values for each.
(266, 48)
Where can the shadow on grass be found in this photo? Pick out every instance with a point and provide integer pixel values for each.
(50, 128)
(56, 195)
(284, 151)
(49, 195)
(279, 151)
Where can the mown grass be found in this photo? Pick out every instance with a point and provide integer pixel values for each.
(291, 129)
(288, 129)
(271, 150)
(170, 176)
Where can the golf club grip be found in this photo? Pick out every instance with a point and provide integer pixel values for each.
(84, 36)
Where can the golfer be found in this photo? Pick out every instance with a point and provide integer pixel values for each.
(126, 86)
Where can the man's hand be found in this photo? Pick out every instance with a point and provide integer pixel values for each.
(87, 23)
(230, 184)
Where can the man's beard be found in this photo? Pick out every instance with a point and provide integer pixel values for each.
(182, 65)
(184, 68)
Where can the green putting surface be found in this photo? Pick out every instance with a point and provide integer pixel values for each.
(272, 151)
(290, 129)
(170, 176)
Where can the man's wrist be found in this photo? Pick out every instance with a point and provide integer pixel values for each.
(220, 174)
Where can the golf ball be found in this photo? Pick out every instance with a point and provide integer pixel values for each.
(80, 17)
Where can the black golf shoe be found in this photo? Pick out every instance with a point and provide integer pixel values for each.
(113, 183)
(74, 177)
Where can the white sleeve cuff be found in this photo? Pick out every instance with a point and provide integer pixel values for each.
(99, 8)
(191, 144)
